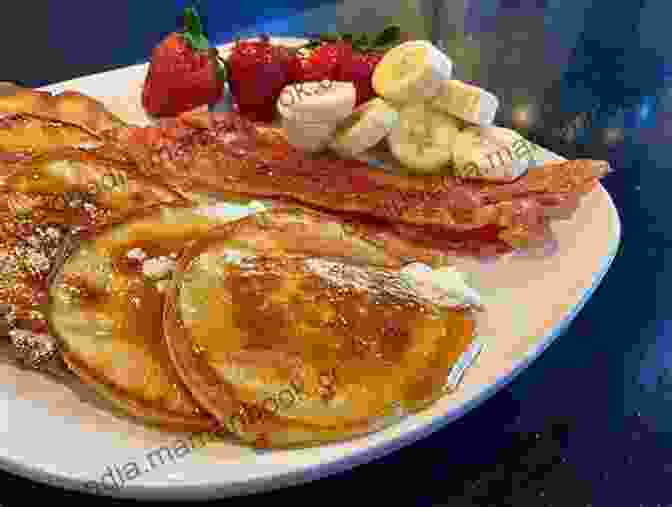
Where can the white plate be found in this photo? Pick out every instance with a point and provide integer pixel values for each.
(50, 433)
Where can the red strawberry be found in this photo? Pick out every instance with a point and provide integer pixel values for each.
(258, 71)
(324, 62)
(184, 72)
(358, 70)
(298, 68)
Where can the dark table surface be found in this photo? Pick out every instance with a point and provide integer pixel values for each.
(589, 422)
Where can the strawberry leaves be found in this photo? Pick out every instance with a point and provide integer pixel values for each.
(389, 37)
(193, 32)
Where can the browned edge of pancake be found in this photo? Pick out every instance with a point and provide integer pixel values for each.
(104, 164)
(70, 107)
(135, 407)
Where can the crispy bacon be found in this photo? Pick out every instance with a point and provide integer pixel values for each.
(225, 152)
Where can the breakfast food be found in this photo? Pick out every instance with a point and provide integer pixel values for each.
(358, 69)
(328, 102)
(411, 72)
(184, 72)
(423, 138)
(358, 338)
(225, 152)
(467, 102)
(435, 130)
(138, 257)
(312, 111)
(369, 124)
(107, 303)
(48, 204)
(491, 154)
(323, 62)
(33, 121)
(345, 57)
(258, 72)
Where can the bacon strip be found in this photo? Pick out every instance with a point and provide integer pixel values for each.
(225, 152)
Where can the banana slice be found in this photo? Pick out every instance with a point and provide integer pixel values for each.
(423, 138)
(466, 101)
(365, 128)
(308, 136)
(317, 101)
(492, 154)
(411, 72)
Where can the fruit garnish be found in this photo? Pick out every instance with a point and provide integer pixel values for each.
(411, 72)
(367, 126)
(358, 70)
(423, 138)
(258, 71)
(346, 57)
(324, 61)
(185, 72)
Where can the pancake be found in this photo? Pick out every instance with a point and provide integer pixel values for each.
(35, 121)
(290, 336)
(46, 205)
(67, 178)
(107, 308)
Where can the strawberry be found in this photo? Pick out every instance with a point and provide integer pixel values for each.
(297, 66)
(358, 70)
(184, 72)
(346, 57)
(323, 63)
(258, 71)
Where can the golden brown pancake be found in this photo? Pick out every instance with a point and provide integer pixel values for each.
(35, 121)
(290, 337)
(107, 309)
(46, 205)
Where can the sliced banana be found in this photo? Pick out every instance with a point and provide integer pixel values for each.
(308, 136)
(411, 72)
(366, 127)
(423, 138)
(468, 102)
(492, 154)
(317, 101)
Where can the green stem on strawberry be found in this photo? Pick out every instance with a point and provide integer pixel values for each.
(193, 31)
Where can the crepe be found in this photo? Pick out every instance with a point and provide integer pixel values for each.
(275, 306)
